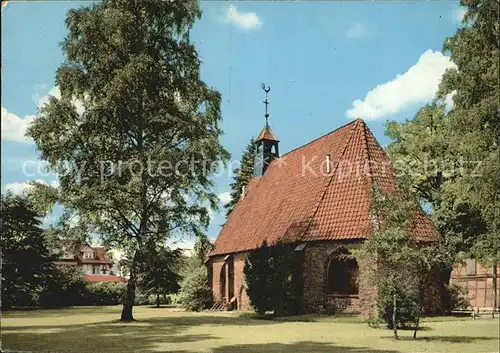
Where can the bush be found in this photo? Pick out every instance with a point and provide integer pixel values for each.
(456, 298)
(65, 287)
(195, 294)
(105, 293)
(407, 308)
(373, 321)
(164, 299)
(174, 299)
(271, 278)
(141, 299)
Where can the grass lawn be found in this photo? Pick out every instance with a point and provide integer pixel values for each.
(95, 329)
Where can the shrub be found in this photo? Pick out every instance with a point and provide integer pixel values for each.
(195, 294)
(271, 278)
(164, 299)
(373, 321)
(105, 293)
(65, 287)
(456, 298)
(406, 306)
(141, 299)
(174, 299)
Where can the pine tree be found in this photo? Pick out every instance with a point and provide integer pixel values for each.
(243, 174)
(158, 272)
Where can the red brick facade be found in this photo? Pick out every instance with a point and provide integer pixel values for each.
(319, 195)
(228, 284)
(317, 257)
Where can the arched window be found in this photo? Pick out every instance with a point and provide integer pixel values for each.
(343, 275)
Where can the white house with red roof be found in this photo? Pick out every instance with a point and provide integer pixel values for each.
(93, 261)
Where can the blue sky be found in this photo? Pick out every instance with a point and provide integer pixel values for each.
(326, 63)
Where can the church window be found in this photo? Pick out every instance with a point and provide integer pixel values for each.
(343, 275)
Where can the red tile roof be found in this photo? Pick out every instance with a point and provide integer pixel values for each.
(298, 200)
(103, 278)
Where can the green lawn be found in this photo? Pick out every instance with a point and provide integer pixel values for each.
(95, 329)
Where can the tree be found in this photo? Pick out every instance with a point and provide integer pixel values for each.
(195, 294)
(422, 151)
(243, 174)
(270, 278)
(26, 262)
(475, 50)
(402, 266)
(202, 248)
(257, 278)
(136, 164)
(158, 272)
(65, 287)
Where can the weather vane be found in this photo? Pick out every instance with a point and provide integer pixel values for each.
(266, 89)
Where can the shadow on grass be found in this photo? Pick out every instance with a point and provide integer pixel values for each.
(115, 336)
(101, 337)
(448, 339)
(167, 334)
(337, 318)
(154, 323)
(302, 347)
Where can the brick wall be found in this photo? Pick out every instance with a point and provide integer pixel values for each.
(317, 256)
(216, 264)
(243, 301)
(235, 279)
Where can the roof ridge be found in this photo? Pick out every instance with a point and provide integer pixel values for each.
(370, 170)
(327, 184)
(367, 151)
(320, 137)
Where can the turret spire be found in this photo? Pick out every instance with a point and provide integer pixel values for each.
(267, 143)
(266, 89)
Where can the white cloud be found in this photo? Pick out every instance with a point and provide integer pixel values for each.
(224, 197)
(13, 127)
(56, 92)
(18, 188)
(417, 85)
(448, 101)
(243, 20)
(458, 14)
(357, 30)
(21, 187)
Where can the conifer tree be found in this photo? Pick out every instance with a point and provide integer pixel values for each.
(243, 174)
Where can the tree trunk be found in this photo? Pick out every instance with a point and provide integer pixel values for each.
(418, 321)
(495, 290)
(394, 316)
(157, 299)
(128, 303)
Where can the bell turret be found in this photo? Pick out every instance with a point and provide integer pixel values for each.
(267, 144)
